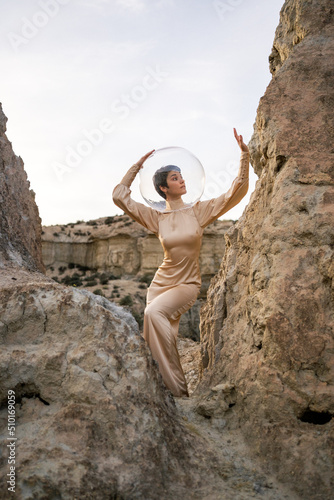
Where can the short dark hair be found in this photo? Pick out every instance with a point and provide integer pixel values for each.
(160, 178)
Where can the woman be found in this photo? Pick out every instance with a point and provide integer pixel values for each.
(177, 282)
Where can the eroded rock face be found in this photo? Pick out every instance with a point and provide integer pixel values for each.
(20, 225)
(267, 327)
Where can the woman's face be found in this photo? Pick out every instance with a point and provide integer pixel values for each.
(176, 186)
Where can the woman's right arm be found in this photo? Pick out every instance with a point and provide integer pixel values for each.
(142, 214)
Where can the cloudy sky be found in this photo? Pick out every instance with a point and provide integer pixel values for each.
(89, 86)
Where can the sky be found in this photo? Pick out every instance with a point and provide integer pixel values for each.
(90, 86)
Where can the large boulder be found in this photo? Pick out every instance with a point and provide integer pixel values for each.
(93, 419)
(267, 327)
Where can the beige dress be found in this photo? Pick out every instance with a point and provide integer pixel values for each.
(177, 282)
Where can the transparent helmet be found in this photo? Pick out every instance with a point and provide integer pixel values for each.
(191, 169)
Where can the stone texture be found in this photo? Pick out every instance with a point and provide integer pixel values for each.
(267, 326)
(20, 225)
(190, 357)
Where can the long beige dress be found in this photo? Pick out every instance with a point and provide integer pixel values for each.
(177, 282)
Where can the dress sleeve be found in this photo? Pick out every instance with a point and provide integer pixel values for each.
(142, 214)
(208, 211)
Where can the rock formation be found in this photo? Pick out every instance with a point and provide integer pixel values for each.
(267, 327)
(20, 225)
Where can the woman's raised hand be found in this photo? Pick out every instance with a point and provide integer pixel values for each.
(144, 158)
(240, 141)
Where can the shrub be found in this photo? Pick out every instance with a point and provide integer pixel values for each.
(98, 291)
(147, 278)
(61, 269)
(91, 283)
(72, 280)
(138, 317)
(104, 278)
(93, 276)
(83, 269)
(126, 301)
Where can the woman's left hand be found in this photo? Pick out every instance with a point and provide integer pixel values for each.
(240, 141)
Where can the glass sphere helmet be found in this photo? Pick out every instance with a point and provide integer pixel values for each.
(169, 159)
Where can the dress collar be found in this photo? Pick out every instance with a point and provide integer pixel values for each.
(175, 204)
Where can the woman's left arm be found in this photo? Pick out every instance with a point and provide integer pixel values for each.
(210, 210)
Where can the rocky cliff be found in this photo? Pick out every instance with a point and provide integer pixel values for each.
(20, 225)
(267, 326)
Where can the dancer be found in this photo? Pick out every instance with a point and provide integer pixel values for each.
(177, 282)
